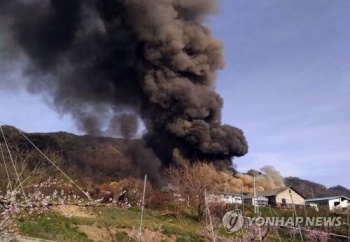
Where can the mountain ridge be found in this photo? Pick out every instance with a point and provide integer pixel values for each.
(104, 159)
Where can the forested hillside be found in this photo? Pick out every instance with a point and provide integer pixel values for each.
(99, 159)
(103, 159)
(312, 189)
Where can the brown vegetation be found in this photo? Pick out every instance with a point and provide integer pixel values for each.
(192, 182)
(101, 160)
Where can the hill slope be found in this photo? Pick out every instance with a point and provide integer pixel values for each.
(103, 159)
(100, 159)
(312, 189)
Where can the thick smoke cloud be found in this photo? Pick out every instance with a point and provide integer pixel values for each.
(147, 59)
(266, 179)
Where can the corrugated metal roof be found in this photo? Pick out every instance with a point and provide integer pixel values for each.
(325, 198)
(231, 194)
(259, 198)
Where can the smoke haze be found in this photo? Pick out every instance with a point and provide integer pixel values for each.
(110, 63)
(268, 179)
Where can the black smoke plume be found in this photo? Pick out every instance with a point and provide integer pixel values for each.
(152, 60)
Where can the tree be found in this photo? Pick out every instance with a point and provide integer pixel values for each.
(26, 177)
(192, 181)
(24, 168)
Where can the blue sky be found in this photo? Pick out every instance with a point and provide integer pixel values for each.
(286, 84)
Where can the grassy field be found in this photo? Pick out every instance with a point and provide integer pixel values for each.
(72, 223)
(110, 224)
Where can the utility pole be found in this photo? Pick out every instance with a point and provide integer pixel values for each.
(211, 228)
(295, 216)
(256, 208)
(348, 220)
(254, 199)
(242, 200)
(142, 207)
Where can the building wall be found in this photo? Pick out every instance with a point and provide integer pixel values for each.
(261, 201)
(285, 196)
(230, 199)
(337, 203)
(248, 201)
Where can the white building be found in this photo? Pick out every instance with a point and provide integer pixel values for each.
(280, 197)
(259, 201)
(228, 198)
(331, 203)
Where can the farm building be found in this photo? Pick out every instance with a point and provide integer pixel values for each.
(285, 196)
(228, 198)
(260, 201)
(329, 203)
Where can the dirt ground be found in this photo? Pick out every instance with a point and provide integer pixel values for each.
(72, 210)
(100, 233)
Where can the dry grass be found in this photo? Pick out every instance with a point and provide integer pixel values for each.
(95, 233)
(73, 210)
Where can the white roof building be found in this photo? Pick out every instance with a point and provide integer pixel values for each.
(332, 203)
